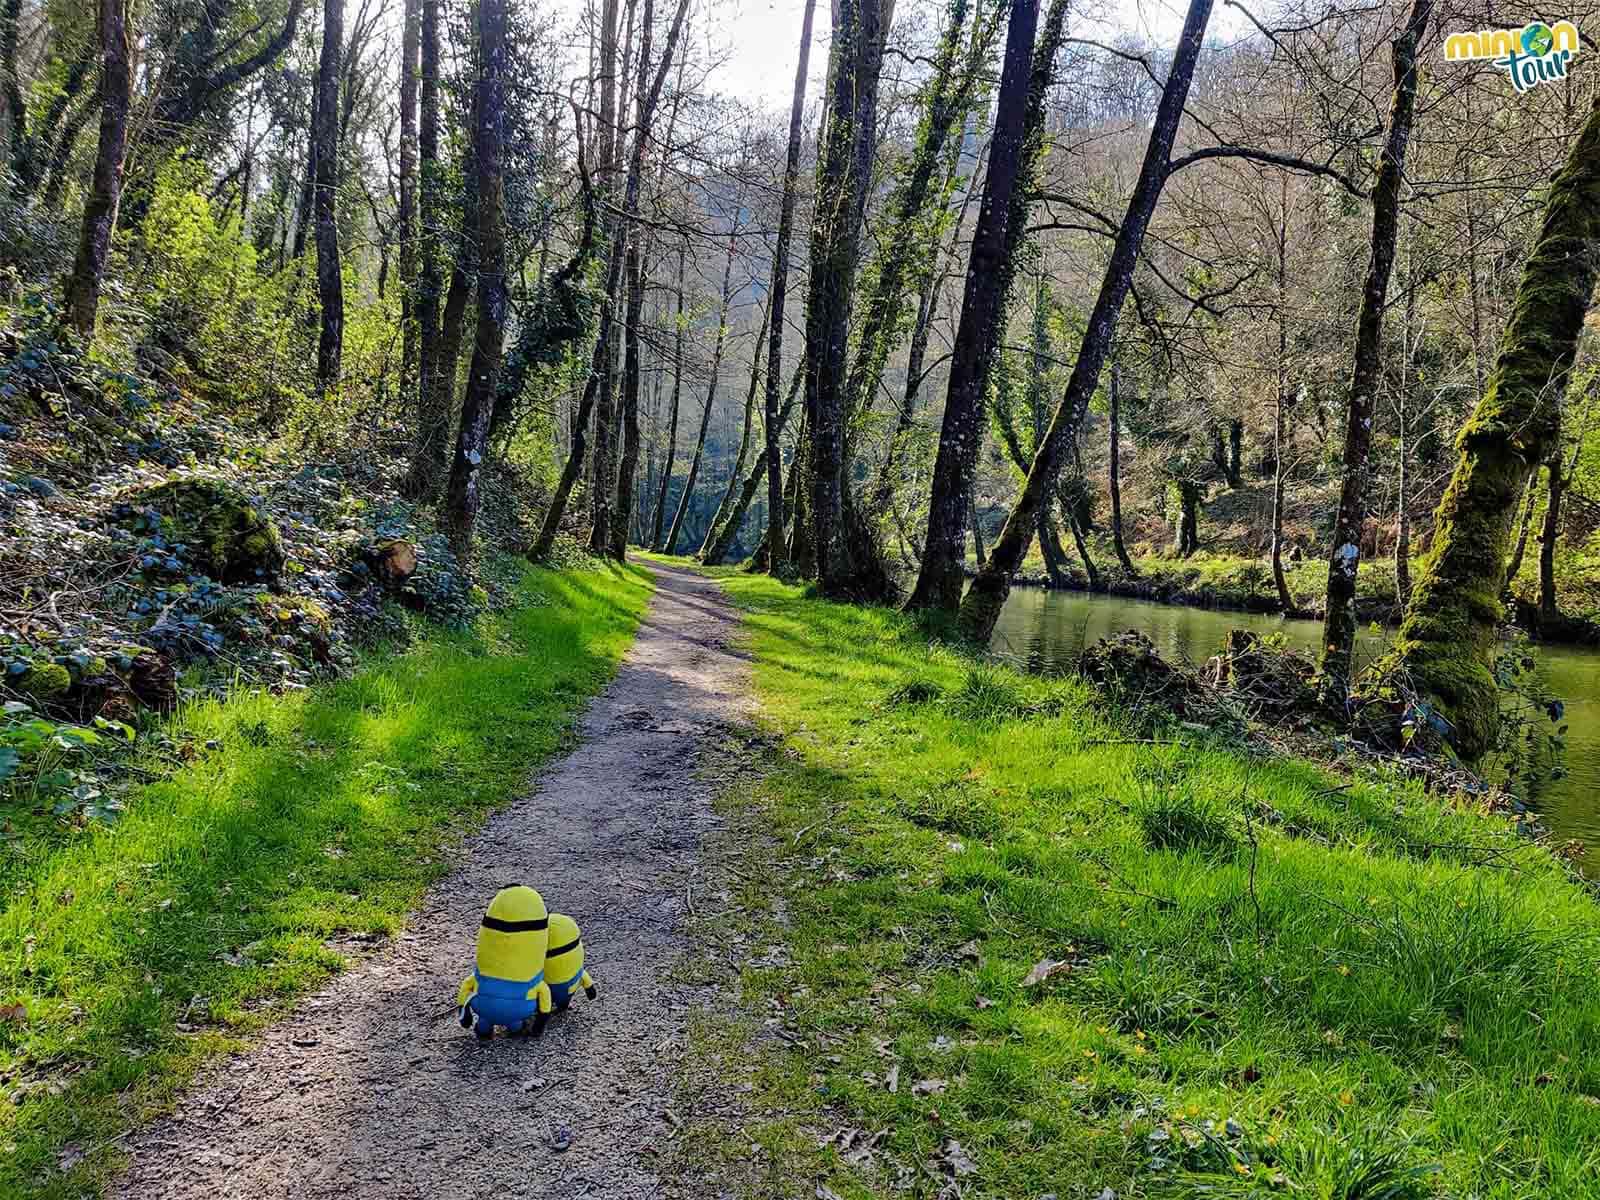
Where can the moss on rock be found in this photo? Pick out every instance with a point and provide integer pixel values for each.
(227, 536)
(44, 681)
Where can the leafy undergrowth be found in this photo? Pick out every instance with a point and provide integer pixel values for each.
(131, 952)
(1030, 953)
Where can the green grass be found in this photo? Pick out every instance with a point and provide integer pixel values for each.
(1273, 984)
(136, 951)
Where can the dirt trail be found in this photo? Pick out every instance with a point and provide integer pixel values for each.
(365, 1091)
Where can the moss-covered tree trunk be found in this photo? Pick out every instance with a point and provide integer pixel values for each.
(1447, 642)
(105, 194)
(747, 429)
(410, 54)
(1339, 621)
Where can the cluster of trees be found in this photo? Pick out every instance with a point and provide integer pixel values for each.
(1003, 274)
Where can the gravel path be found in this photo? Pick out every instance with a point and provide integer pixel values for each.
(365, 1091)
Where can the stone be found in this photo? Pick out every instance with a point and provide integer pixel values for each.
(227, 536)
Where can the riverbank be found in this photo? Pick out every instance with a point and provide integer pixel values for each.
(1231, 583)
(304, 830)
(1016, 940)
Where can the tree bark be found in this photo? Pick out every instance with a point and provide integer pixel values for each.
(843, 175)
(1186, 537)
(1280, 402)
(1116, 473)
(17, 141)
(1024, 79)
(714, 530)
(711, 390)
(672, 420)
(987, 596)
(1447, 641)
(621, 513)
(1339, 621)
(1549, 609)
(433, 419)
(730, 527)
(1514, 568)
(603, 492)
(410, 52)
(483, 377)
(330, 278)
(100, 211)
(777, 560)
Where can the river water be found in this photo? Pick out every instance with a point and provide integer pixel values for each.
(1046, 630)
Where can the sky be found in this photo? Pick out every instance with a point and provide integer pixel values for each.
(760, 39)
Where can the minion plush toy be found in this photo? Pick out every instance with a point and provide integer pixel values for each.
(508, 987)
(563, 965)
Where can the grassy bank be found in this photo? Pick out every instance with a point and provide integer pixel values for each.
(130, 953)
(1254, 979)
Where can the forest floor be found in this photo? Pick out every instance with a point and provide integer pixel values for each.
(371, 1089)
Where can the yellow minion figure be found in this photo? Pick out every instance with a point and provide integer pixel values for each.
(563, 965)
(508, 986)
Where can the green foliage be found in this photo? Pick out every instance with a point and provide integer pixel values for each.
(1328, 997)
(212, 901)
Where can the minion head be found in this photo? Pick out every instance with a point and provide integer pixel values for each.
(514, 935)
(565, 959)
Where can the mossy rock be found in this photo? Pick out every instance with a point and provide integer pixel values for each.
(227, 536)
(44, 681)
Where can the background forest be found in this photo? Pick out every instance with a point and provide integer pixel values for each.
(1195, 315)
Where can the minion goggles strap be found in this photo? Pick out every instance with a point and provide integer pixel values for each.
(516, 926)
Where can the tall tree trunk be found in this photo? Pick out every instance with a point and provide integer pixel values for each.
(1082, 545)
(777, 557)
(1402, 516)
(100, 211)
(1186, 537)
(987, 596)
(1339, 622)
(1514, 568)
(1549, 609)
(330, 278)
(630, 396)
(672, 420)
(1280, 402)
(714, 530)
(604, 467)
(1116, 472)
(17, 143)
(843, 173)
(410, 51)
(433, 418)
(711, 390)
(1448, 638)
(483, 378)
(1024, 80)
(758, 474)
